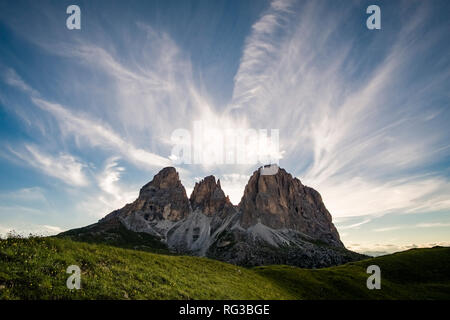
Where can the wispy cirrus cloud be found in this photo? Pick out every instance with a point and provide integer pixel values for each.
(358, 196)
(354, 225)
(96, 134)
(112, 194)
(415, 226)
(260, 48)
(86, 129)
(11, 77)
(64, 167)
(108, 182)
(350, 131)
(155, 92)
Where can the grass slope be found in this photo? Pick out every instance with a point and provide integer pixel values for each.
(35, 268)
(115, 234)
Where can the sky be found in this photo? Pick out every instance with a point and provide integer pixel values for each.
(88, 116)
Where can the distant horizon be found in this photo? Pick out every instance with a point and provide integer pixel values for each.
(89, 115)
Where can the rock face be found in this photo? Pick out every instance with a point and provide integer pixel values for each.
(209, 198)
(278, 221)
(211, 214)
(165, 197)
(160, 204)
(281, 202)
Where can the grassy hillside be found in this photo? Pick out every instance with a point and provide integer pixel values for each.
(115, 234)
(35, 269)
(412, 274)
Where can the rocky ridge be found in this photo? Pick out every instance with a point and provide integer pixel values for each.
(278, 221)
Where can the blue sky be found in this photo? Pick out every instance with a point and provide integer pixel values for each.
(86, 116)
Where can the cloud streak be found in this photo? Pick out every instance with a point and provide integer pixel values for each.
(416, 226)
(64, 167)
(96, 134)
(350, 133)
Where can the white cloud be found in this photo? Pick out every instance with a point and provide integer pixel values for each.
(354, 225)
(110, 175)
(64, 167)
(113, 195)
(153, 90)
(97, 134)
(357, 196)
(108, 181)
(11, 77)
(156, 93)
(354, 136)
(432, 225)
(415, 226)
(258, 51)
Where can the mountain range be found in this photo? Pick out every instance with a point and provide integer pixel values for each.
(278, 221)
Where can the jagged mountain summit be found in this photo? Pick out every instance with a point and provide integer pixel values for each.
(278, 221)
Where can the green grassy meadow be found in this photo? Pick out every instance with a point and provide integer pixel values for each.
(35, 268)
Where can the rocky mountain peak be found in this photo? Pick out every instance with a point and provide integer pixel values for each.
(165, 179)
(281, 201)
(163, 198)
(209, 197)
(276, 210)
